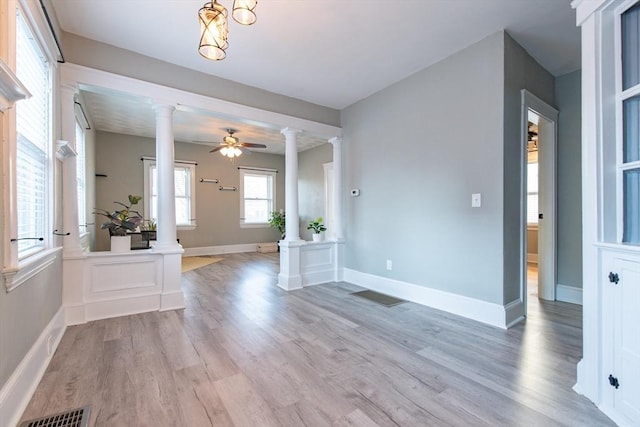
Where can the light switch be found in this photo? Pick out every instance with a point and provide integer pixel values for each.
(476, 200)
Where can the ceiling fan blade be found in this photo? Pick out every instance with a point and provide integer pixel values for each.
(252, 145)
(218, 148)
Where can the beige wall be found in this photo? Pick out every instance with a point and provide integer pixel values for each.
(532, 241)
(217, 212)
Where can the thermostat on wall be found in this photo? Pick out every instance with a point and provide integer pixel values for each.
(355, 192)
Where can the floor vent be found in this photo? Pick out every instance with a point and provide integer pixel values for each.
(72, 418)
(386, 300)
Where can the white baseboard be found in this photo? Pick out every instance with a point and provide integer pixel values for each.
(471, 308)
(570, 294)
(224, 249)
(532, 258)
(17, 391)
(514, 313)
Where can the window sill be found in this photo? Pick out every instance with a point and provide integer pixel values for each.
(255, 225)
(28, 268)
(186, 227)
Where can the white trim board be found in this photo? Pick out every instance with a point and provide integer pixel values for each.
(471, 308)
(17, 391)
(223, 249)
(569, 294)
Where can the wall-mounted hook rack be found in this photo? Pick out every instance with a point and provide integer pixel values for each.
(55, 233)
(221, 188)
(207, 180)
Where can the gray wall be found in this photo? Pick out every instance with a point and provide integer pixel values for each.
(311, 185)
(569, 197)
(521, 71)
(418, 150)
(90, 53)
(24, 313)
(217, 212)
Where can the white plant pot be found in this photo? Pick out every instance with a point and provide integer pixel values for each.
(120, 243)
(317, 237)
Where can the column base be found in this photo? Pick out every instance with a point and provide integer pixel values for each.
(290, 278)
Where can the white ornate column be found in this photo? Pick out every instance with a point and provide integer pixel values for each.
(165, 160)
(171, 296)
(71, 241)
(338, 192)
(290, 277)
(73, 258)
(337, 187)
(291, 184)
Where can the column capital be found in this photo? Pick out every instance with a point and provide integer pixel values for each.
(336, 140)
(70, 87)
(163, 106)
(290, 131)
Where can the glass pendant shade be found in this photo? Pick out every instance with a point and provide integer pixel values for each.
(214, 31)
(243, 11)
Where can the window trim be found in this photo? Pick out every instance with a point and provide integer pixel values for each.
(18, 270)
(256, 171)
(148, 163)
(621, 95)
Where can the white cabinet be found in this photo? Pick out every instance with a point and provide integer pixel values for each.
(609, 372)
(620, 285)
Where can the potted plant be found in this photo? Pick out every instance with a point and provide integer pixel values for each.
(120, 222)
(318, 227)
(277, 221)
(149, 229)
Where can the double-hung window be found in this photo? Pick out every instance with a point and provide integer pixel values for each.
(257, 197)
(33, 145)
(184, 174)
(81, 178)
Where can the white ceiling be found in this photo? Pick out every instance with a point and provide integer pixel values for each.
(328, 52)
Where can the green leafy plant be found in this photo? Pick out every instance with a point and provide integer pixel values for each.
(122, 220)
(317, 226)
(149, 225)
(277, 221)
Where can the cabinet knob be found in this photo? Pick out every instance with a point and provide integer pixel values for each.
(613, 277)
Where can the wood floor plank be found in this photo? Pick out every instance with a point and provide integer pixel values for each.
(246, 353)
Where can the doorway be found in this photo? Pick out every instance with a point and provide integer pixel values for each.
(539, 125)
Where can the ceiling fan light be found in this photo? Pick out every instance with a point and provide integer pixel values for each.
(224, 151)
(237, 151)
(214, 31)
(243, 11)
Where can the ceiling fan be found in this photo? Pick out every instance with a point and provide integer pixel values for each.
(232, 147)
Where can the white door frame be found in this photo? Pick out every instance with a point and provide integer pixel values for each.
(547, 244)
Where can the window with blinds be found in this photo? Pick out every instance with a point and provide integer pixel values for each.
(81, 178)
(33, 145)
(185, 196)
(257, 197)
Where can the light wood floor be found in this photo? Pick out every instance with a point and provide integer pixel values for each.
(245, 353)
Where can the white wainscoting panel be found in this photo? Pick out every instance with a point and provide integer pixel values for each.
(317, 261)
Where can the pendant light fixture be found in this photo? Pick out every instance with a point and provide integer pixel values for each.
(243, 11)
(214, 27)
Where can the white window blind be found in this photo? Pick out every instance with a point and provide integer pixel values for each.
(33, 141)
(185, 196)
(81, 178)
(257, 196)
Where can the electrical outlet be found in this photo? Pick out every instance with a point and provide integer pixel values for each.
(389, 265)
